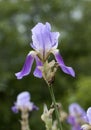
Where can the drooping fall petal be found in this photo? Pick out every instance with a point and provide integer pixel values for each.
(37, 71)
(65, 69)
(27, 66)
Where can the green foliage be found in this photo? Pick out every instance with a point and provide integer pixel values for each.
(73, 20)
(84, 91)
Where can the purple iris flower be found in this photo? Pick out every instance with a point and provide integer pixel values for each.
(76, 116)
(23, 103)
(88, 116)
(44, 43)
(87, 123)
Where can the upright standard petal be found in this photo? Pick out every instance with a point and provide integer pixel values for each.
(65, 69)
(23, 97)
(54, 38)
(37, 71)
(43, 39)
(75, 108)
(27, 66)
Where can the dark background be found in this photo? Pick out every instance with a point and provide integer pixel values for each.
(72, 18)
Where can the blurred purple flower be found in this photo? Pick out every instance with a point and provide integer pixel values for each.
(87, 124)
(76, 116)
(23, 103)
(89, 115)
(75, 109)
(44, 43)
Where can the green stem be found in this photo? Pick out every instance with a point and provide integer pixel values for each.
(55, 106)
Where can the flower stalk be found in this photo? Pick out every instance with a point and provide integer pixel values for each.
(24, 120)
(55, 107)
(24, 105)
(44, 43)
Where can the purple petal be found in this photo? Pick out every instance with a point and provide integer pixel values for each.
(27, 67)
(75, 108)
(65, 69)
(23, 103)
(14, 109)
(37, 72)
(24, 96)
(76, 127)
(35, 107)
(43, 39)
(71, 120)
(48, 26)
(54, 37)
(89, 115)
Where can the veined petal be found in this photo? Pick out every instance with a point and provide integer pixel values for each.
(27, 66)
(37, 71)
(43, 39)
(65, 69)
(54, 37)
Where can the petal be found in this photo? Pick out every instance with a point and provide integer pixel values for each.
(43, 39)
(48, 26)
(76, 127)
(65, 69)
(54, 37)
(75, 108)
(37, 37)
(31, 106)
(27, 66)
(35, 107)
(37, 72)
(14, 109)
(89, 115)
(24, 96)
(71, 120)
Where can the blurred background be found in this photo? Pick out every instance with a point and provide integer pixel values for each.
(72, 18)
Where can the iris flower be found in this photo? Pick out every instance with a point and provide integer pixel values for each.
(44, 43)
(89, 115)
(87, 124)
(23, 103)
(76, 116)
